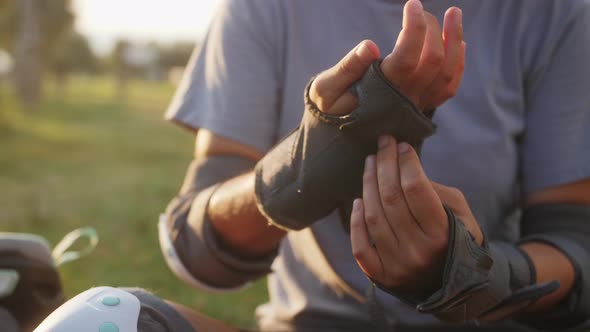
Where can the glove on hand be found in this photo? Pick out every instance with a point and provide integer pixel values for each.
(319, 166)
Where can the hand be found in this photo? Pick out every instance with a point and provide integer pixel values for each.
(399, 229)
(425, 64)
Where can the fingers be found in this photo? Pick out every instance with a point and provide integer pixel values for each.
(446, 83)
(332, 84)
(437, 97)
(391, 194)
(422, 200)
(431, 60)
(405, 56)
(451, 197)
(426, 63)
(455, 200)
(400, 233)
(454, 85)
(384, 237)
(363, 251)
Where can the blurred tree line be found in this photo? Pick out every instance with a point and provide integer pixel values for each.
(28, 29)
(151, 61)
(41, 38)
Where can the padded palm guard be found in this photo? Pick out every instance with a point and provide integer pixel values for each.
(491, 282)
(319, 166)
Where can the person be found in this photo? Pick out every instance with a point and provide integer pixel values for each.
(507, 81)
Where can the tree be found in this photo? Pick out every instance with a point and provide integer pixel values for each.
(28, 28)
(121, 67)
(7, 23)
(70, 53)
(27, 52)
(175, 55)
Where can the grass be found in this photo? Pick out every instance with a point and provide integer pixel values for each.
(89, 160)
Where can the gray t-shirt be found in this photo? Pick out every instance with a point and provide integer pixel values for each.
(520, 121)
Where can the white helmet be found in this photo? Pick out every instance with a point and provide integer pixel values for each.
(101, 309)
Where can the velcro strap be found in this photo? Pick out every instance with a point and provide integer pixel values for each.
(492, 281)
(466, 274)
(522, 271)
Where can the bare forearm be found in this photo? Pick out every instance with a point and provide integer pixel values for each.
(550, 264)
(238, 222)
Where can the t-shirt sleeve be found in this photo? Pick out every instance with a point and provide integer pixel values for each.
(556, 144)
(232, 83)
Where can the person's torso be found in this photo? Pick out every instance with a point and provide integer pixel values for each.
(475, 148)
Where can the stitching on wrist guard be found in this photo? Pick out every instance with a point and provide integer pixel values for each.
(490, 282)
(567, 228)
(319, 166)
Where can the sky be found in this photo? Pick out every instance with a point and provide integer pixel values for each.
(164, 21)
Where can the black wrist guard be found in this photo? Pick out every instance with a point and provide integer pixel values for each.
(488, 282)
(319, 166)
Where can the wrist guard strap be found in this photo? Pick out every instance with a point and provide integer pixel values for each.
(319, 166)
(489, 282)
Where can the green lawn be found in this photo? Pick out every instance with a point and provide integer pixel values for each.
(88, 160)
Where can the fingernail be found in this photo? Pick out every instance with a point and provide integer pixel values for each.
(369, 162)
(362, 51)
(418, 4)
(403, 147)
(356, 204)
(383, 141)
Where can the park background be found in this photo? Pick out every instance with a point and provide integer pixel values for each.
(83, 88)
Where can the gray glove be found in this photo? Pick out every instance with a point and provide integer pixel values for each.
(319, 166)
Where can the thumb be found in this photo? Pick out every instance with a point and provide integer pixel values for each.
(456, 201)
(333, 83)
